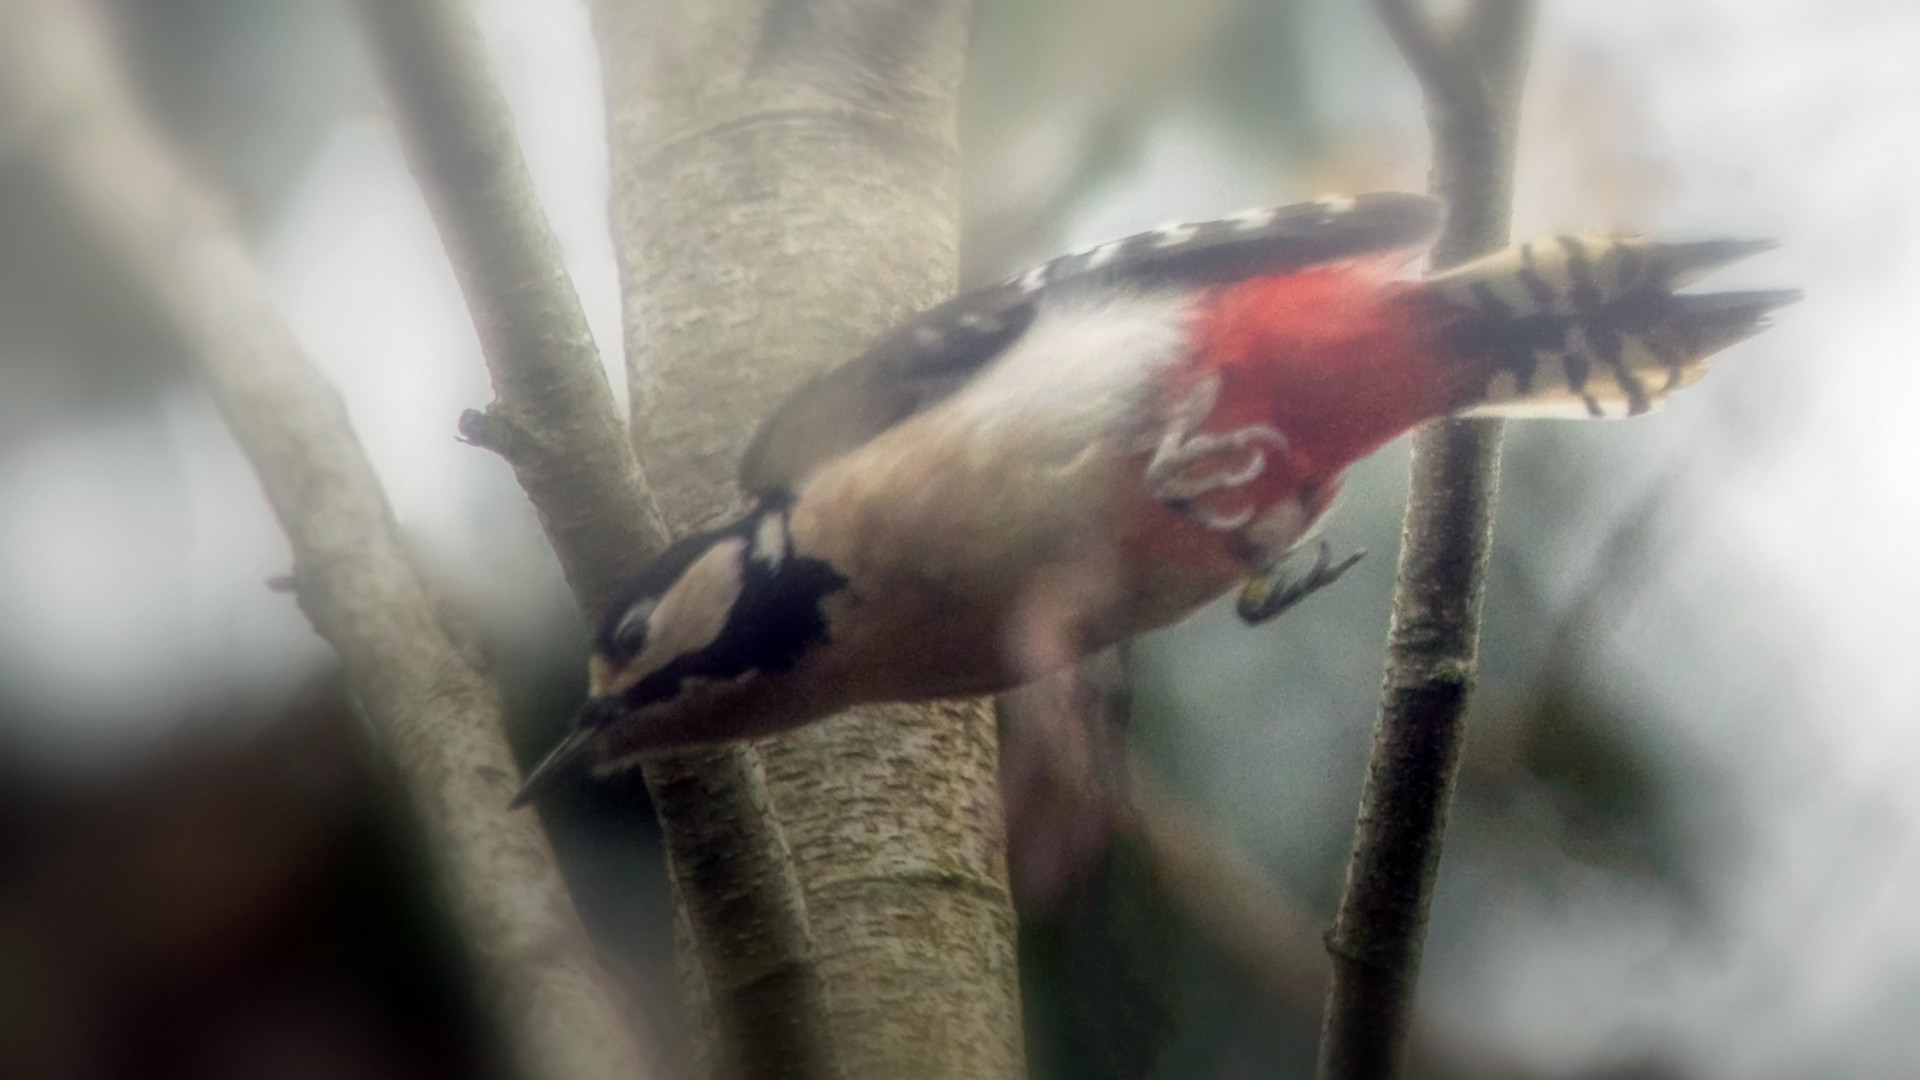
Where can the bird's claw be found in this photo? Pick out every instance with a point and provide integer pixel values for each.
(1274, 590)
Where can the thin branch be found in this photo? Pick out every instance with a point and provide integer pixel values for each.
(1426, 47)
(554, 418)
(1070, 726)
(438, 716)
(1254, 924)
(1493, 35)
(555, 421)
(1432, 646)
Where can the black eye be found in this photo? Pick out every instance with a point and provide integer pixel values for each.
(629, 635)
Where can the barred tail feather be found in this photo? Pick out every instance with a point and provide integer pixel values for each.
(1592, 327)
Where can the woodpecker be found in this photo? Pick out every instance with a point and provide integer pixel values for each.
(1102, 445)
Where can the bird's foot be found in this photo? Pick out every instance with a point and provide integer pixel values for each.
(1275, 589)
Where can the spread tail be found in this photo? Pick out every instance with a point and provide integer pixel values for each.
(1592, 327)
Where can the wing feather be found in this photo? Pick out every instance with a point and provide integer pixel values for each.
(926, 358)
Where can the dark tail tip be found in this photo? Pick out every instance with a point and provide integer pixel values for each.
(554, 768)
(1684, 264)
(1720, 319)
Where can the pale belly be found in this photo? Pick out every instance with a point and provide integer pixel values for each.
(982, 569)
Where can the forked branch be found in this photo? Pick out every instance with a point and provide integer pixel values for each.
(555, 422)
(437, 715)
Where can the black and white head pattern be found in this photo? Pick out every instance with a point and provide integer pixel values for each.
(928, 357)
(716, 606)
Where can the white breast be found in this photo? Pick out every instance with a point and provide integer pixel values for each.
(963, 525)
(1086, 368)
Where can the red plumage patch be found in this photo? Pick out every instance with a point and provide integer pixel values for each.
(1341, 359)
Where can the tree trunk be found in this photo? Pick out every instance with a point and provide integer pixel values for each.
(784, 189)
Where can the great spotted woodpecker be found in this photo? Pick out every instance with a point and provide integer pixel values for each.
(1100, 446)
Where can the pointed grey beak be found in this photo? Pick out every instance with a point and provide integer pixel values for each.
(556, 766)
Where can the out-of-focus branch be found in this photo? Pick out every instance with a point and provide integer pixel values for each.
(1254, 924)
(1234, 907)
(1639, 545)
(1069, 776)
(784, 189)
(1422, 44)
(555, 421)
(1432, 646)
(1063, 775)
(437, 714)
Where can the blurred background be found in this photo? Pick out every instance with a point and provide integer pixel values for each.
(1687, 838)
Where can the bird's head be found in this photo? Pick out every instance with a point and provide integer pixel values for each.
(693, 650)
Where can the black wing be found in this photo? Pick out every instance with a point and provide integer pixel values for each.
(930, 355)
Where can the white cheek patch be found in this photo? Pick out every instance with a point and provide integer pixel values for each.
(770, 540)
(691, 615)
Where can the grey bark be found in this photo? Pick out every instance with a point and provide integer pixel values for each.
(784, 188)
(554, 418)
(555, 421)
(1471, 71)
(435, 711)
(741, 903)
